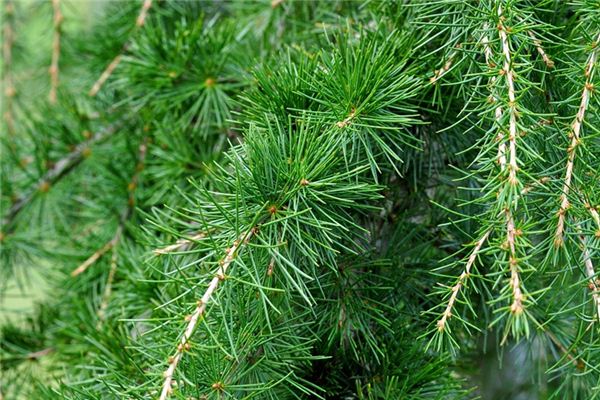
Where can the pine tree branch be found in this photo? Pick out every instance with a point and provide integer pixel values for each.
(199, 311)
(54, 68)
(7, 47)
(515, 280)
(574, 134)
(441, 324)
(139, 22)
(60, 169)
(111, 244)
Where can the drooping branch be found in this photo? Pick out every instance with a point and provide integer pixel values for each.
(111, 244)
(201, 305)
(60, 169)
(139, 22)
(441, 324)
(511, 232)
(574, 135)
(53, 70)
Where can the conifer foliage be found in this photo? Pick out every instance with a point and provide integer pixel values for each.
(299, 199)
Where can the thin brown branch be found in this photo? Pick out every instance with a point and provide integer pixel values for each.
(60, 169)
(95, 257)
(595, 216)
(591, 275)
(39, 354)
(139, 22)
(574, 134)
(180, 245)
(53, 70)
(439, 73)
(538, 45)
(7, 47)
(346, 121)
(105, 75)
(515, 280)
(194, 318)
(441, 324)
(529, 187)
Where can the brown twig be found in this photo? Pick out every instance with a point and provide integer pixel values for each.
(441, 324)
(538, 45)
(574, 134)
(139, 22)
(595, 216)
(39, 354)
(180, 245)
(515, 281)
(346, 121)
(111, 244)
(438, 73)
(194, 318)
(591, 275)
(97, 254)
(53, 70)
(61, 168)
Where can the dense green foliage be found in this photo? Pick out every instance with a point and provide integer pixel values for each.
(300, 199)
